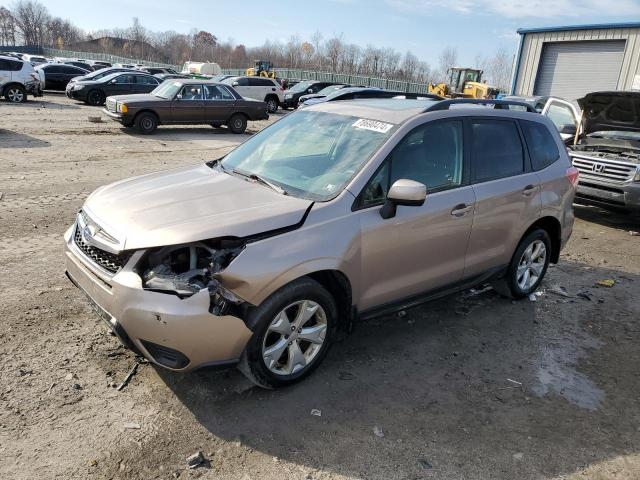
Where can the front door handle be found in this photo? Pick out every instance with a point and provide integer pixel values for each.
(461, 210)
(528, 190)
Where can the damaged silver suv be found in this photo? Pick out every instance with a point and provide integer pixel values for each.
(338, 211)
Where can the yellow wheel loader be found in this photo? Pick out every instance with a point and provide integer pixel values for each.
(262, 68)
(464, 83)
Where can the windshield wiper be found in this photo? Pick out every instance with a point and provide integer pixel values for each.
(262, 180)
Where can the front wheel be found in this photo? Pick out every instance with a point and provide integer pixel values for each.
(528, 265)
(238, 123)
(95, 98)
(15, 94)
(146, 123)
(292, 332)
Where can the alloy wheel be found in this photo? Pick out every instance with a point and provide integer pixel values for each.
(15, 95)
(531, 265)
(294, 337)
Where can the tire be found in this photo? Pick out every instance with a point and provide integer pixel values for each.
(95, 98)
(15, 94)
(528, 266)
(146, 123)
(272, 104)
(276, 354)
(237, 123)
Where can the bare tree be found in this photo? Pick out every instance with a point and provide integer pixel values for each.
(31, 18)
(7, 27)
(334, 48)
(448, 58)
(499, 69)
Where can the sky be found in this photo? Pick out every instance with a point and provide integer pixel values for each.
(424, 27)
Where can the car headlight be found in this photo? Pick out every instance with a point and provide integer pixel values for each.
(187, 269)
(78, 87)
(122, 107)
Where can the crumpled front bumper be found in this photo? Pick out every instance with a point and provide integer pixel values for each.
(178, 334)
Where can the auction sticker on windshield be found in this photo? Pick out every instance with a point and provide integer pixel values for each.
(381, 127)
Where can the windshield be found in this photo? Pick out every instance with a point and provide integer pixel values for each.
(310, 154)
(327, 90)
(300, 87)
(167, 89)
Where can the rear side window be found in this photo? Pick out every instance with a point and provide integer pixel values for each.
(496, 149)
(260, 82)
(542, 147)
(243, 82)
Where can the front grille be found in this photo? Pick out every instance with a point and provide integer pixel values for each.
(109, 261)
(608, 170)
(111, 105)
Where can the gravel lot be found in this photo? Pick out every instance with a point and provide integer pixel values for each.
(472, 386)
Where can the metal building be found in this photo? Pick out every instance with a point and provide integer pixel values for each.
(571, 61)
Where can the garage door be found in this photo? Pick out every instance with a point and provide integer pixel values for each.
(573, 69)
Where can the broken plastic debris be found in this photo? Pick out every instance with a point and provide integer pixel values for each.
(195, 460)
(633, 233)
(559, 290)
(132, 426)
(532, 297)
(378, 432)
(316, 412)
(606, 283)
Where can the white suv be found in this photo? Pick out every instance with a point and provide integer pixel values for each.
(265, 89)
(17, 79)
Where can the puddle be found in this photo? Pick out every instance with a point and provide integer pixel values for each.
(560, 350)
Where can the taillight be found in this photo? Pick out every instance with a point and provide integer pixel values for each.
(572, 174)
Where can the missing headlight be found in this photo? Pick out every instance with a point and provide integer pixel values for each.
(187, 269)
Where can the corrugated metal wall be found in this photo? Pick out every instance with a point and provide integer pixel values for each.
(532, 47)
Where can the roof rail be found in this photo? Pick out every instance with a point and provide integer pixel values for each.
(498, 104)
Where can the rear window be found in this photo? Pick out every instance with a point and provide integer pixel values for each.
(497, 149)
(543, 150)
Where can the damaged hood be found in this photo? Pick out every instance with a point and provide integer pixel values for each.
(187, 205)
(603, 111)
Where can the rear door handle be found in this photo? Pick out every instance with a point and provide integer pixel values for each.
(528, 190)
(461, 210)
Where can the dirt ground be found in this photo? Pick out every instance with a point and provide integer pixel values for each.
(469, 387)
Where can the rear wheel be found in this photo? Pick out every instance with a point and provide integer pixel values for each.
(238, 123)
(95, 97)
(292, 332)
(15, 94)
(272, 104)
(528, 265)
(146, 123)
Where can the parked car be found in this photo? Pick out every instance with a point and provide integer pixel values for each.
(259, 88)
(565, 115)
(260, 257)
(294, 93)
(607, 152)
(18, 79)
(83, 65)
(353, 93)
(98, 64)
(34, 59)
(56, 75)
(96, 91)
(158, 70)
(170, 76)
(322, 93)
(95, 75)
(187, 102)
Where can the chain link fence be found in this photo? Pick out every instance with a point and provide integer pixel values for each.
(288, 73)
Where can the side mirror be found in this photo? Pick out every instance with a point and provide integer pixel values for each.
(179, 96)
(310, 90)
(569, 129)
(115, 80)
(235, 84)
(403, 192)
